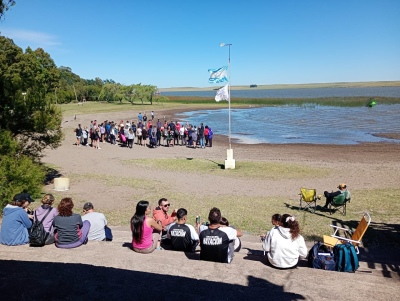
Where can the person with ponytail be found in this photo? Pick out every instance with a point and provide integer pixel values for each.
(47, 219)
(284, 244)
(145, 230)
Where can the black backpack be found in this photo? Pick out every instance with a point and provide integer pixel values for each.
(38, 236)
(320, 257)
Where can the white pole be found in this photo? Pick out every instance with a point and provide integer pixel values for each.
(229, 94)
(229, 162)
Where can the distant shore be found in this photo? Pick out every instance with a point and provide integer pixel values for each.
(292, 86)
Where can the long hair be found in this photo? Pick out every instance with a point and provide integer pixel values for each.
(137, 221)
(65, 207)
(293, 225)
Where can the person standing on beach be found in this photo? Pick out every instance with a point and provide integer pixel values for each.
(152, 115)
(140, 117)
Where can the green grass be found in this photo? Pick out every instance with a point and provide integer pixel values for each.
(190, 103)
(252, 214)
(244, 169)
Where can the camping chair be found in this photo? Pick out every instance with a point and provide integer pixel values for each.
(352, 237)
(339, 204)
(308, 197)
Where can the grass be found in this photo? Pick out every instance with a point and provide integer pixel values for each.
(244, 169)
(252, 214)
(190, 103)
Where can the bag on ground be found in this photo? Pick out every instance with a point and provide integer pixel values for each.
(319, 257)
(346, 258)
(38, 236)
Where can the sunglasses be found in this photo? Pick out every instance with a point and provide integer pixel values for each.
(166, 205)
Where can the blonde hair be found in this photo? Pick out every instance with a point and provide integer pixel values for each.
(48, 199)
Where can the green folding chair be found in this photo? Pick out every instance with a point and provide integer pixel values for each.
(339, 203)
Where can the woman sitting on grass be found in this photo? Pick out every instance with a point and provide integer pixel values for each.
(70, 231)
(284, 244)
(145, 230)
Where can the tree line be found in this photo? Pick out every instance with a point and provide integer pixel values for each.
(31, 87)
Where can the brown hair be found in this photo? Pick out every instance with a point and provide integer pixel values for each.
(18, 203)
(292, 225)
(65, 207)
(48, 199)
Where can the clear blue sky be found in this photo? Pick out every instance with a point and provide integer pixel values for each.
(174, 43)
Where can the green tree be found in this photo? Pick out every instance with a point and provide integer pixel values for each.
(27, 109)
(5, 5)
(144, 92)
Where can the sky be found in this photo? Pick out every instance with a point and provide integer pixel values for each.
(174, 43)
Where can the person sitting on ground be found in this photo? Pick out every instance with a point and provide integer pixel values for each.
(16, 221)
(330, 195)
(183, 236)
(145, 230)
(215, 240)
(275, 221)
(97, 220)
(160, 213)
(284, 244)
(40, 213)
(70, 231)
(237, 244)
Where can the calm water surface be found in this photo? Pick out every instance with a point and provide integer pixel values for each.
(299, 93)
(302, 124)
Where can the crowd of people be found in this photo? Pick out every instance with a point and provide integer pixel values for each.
(151, 230)
(144, 132)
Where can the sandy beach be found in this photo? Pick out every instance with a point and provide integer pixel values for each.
(364, 166)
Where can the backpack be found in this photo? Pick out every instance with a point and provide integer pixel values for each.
(346, 258)
(319, 257)
(38, 236)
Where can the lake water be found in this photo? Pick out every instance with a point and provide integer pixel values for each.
(298, 93)
(302, 124)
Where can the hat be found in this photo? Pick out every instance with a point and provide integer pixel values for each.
(342, 186)
(23, 197)
(88, 206)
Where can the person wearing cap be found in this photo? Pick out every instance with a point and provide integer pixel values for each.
(330, 195)
(16, 221)
(97, 222)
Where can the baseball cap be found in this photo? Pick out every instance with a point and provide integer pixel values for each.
(23, 197)
(342, 185)
(88, 206)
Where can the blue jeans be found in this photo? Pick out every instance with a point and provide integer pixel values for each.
(202, 142)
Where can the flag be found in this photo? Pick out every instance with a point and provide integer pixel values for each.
(218, 75)
(222, 94)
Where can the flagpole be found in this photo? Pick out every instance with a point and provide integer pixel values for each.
(229, 162)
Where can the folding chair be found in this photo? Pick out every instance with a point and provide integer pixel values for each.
(352, 237)
(308, 197)
(339, 204)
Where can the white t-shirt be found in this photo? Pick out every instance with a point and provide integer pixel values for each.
(97, 223)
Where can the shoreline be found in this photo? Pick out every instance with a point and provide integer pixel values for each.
(291, 86)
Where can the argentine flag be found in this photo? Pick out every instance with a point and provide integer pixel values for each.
(222, 94)
(218, 75)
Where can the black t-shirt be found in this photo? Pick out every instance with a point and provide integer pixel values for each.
(181, 239)
(214, 245)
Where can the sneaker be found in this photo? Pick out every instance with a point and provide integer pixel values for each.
(99, 148)
(160, 248)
